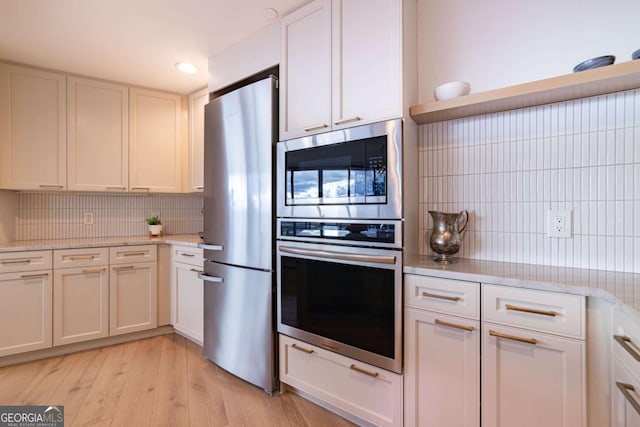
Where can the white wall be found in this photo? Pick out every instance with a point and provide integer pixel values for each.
(508, 169)
(498, 43)
(254, 54)
(8, 206)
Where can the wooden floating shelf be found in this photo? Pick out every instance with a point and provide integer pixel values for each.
(612, 78)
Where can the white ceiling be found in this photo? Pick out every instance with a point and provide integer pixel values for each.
(132, 41)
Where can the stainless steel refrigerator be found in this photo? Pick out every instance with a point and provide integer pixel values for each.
(239, 281)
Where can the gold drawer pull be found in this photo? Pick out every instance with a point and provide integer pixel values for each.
(33, 276)
(316, 127)
(363, 371)
(134, 254)
(626, 390)
(116, 188)
(445, 297)
(140, 189)
(345, 121)
(531, 310)
(453, 325)
(513, 337)
(43, 186)
(200, 187)
(21, 261)
(626, 342)
(188, 255)
(81, 258)
(302, 349)
(96, 270)
(195, 270)
(127, 267)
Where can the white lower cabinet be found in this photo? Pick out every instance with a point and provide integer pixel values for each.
(531, 379)
(80, 304)
(367, 392)
(187, 293)
(625, 396)
(442, 370)
(25, 311)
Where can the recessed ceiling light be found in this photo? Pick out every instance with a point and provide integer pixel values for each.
(186, 67)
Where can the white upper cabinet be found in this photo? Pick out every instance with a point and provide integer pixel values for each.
(33, 129)
(98, 135)
(341, 65)
(154, 141)
(366, 61)
(305, 71)
(195, 166)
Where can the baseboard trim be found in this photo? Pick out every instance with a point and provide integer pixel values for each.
(30, 356)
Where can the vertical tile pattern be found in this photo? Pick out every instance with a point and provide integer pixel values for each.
(60, 216)
(508, 169)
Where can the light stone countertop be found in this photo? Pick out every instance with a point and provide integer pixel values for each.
(32, 245)
(621, 289)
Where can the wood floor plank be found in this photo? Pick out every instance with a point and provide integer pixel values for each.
(105, 392)
(14, 383)
(136, 401)
(41, 387)
(206, 406)
(315, 415)
(170, 400)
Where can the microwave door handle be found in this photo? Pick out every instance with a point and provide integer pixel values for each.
(343, 256)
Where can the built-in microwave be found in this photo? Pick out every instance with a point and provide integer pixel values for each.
(350, 173)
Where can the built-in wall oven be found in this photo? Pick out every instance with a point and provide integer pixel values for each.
(340, 287)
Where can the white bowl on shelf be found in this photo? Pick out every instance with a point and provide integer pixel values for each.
(451, 90)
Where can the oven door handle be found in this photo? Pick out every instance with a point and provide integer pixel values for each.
(343, 256)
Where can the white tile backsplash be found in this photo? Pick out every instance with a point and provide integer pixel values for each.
(507, 169)
(60, 216)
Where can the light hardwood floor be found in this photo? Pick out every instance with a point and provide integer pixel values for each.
(161, 381)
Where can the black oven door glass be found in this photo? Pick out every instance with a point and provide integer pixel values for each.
(350, 304)
(353, 172)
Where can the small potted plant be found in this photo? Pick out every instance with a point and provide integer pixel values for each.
(155, 226)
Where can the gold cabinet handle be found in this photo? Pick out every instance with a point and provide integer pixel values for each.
(82, 258)
(302, 349)
(134, 254)
(195, 270)
(33, 276)
(43, 186)
(626, 390)
(200, 187)
(532, 341)
(96, 270)
(453, 325)
(531, 310)
(444, 297)
(316, 127)
(127, 267)
(626, 342)
(116, 188)
(187, 255)
(349, 120)
(20, 261)
(364, 371)
(141, 189)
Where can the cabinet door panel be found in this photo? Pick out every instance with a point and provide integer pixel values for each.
(528, 384)
(189, 301)
(305, 91)
(154, 141)
(624, 412)
(442, 370)
(25, 311)
(98, 140)
(80, 304)
(366, 61)
(33, 129)
(195, 167)
(132, 298)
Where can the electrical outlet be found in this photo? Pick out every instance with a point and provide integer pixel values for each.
(88, 218)
(559, 224)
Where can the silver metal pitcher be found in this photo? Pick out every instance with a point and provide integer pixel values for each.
(446, 238)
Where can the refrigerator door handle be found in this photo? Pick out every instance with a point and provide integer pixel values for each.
(208, 278)
(210, 247)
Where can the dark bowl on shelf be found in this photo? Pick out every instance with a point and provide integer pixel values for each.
(592, 63)
(636, 54)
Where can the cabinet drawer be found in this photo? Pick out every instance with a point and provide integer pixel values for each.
(543, 311)
(132, 254)
(67, 258)
(625, 394)
(365, 391)
(188, 255)
(443, 295)
(11, 262)
(626, 344)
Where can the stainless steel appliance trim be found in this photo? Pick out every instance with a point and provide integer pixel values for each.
(210, 247)
(392, 209)
(391, 364)
(208, 278)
